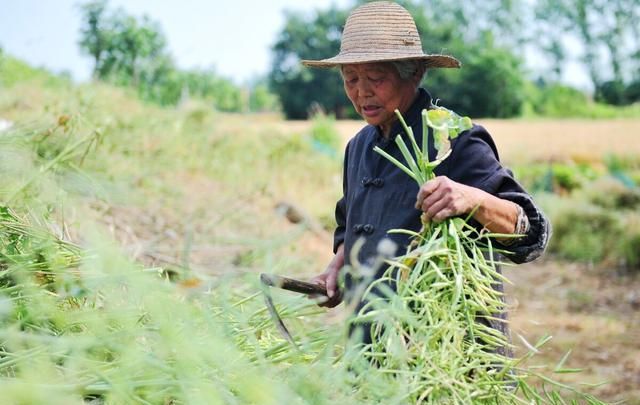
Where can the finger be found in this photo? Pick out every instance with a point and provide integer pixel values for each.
(332, 302)
(331, 284)
(318, 280)
(435, 208)
(319, 299)
(444, 214)
(433, 199)
(427, 189)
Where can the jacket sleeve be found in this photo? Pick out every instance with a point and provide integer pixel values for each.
(474, 161)
(341, 208)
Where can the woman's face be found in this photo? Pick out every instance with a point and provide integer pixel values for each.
(376, 90)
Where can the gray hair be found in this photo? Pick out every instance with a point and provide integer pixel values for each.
(408, 67)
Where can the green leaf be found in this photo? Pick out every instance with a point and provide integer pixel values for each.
(441, 141)
(397, 163)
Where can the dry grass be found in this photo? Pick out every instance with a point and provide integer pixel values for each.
(557, 140)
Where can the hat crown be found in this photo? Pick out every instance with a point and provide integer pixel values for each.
(381, 27)
(382, 31)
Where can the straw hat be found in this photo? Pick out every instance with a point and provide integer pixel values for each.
(381, 31)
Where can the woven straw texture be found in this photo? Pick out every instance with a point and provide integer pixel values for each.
(382, 31)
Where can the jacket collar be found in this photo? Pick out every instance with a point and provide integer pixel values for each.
(412, 116)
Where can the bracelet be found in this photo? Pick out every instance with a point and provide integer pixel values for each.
(522, 223)
(521, 228)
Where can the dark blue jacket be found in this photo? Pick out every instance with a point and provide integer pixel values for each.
(378, 196)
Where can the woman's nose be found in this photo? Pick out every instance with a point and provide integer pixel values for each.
(364, 88)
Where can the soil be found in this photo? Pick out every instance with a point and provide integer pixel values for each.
(595, 313)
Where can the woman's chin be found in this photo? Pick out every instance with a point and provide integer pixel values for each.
(375, 121)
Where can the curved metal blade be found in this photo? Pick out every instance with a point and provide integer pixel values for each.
(274, 313)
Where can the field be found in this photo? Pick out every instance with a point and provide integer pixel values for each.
(526, 140)
(202, 197)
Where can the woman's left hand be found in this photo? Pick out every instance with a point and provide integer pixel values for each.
(442, 198)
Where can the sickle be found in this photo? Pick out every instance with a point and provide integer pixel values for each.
(290, 284)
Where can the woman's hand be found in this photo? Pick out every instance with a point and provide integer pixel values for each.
(442, 198)
(329, 280)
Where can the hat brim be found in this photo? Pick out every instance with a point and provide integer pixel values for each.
(430, 61)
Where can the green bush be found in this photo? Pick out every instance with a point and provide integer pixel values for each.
(583, 232)
(616, 92)
(555, 177)
(632, 92)
(612, 92)
(559, 101)
(610, 193)
(598, 224)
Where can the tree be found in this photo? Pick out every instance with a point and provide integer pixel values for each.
(123, 48)
(130, 51)
(308, 37)
(490, 84)
(94, 34)
(135, 47)
(607, 31)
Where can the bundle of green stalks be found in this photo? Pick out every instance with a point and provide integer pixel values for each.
(439, 333)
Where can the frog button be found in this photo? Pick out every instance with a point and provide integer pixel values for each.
(357, 228)
(368, 229)
(378, 182)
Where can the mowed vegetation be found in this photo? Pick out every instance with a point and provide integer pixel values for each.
(132, 236)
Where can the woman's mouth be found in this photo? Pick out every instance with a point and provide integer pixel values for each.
(370, 110)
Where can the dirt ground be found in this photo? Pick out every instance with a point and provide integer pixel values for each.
(595, 313)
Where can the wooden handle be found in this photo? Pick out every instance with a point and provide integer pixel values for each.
(292, 284)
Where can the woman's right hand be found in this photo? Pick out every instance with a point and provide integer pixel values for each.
(329, 280)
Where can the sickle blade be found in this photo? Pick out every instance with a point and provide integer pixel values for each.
(274, 314)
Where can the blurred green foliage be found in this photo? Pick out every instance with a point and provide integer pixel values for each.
(556, 177)
(594, 212)
(595, 231)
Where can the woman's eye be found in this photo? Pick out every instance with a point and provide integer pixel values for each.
(375, 80)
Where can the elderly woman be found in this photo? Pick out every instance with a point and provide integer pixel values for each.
(382, 64)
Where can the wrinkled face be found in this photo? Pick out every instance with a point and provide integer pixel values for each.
(376, 90)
